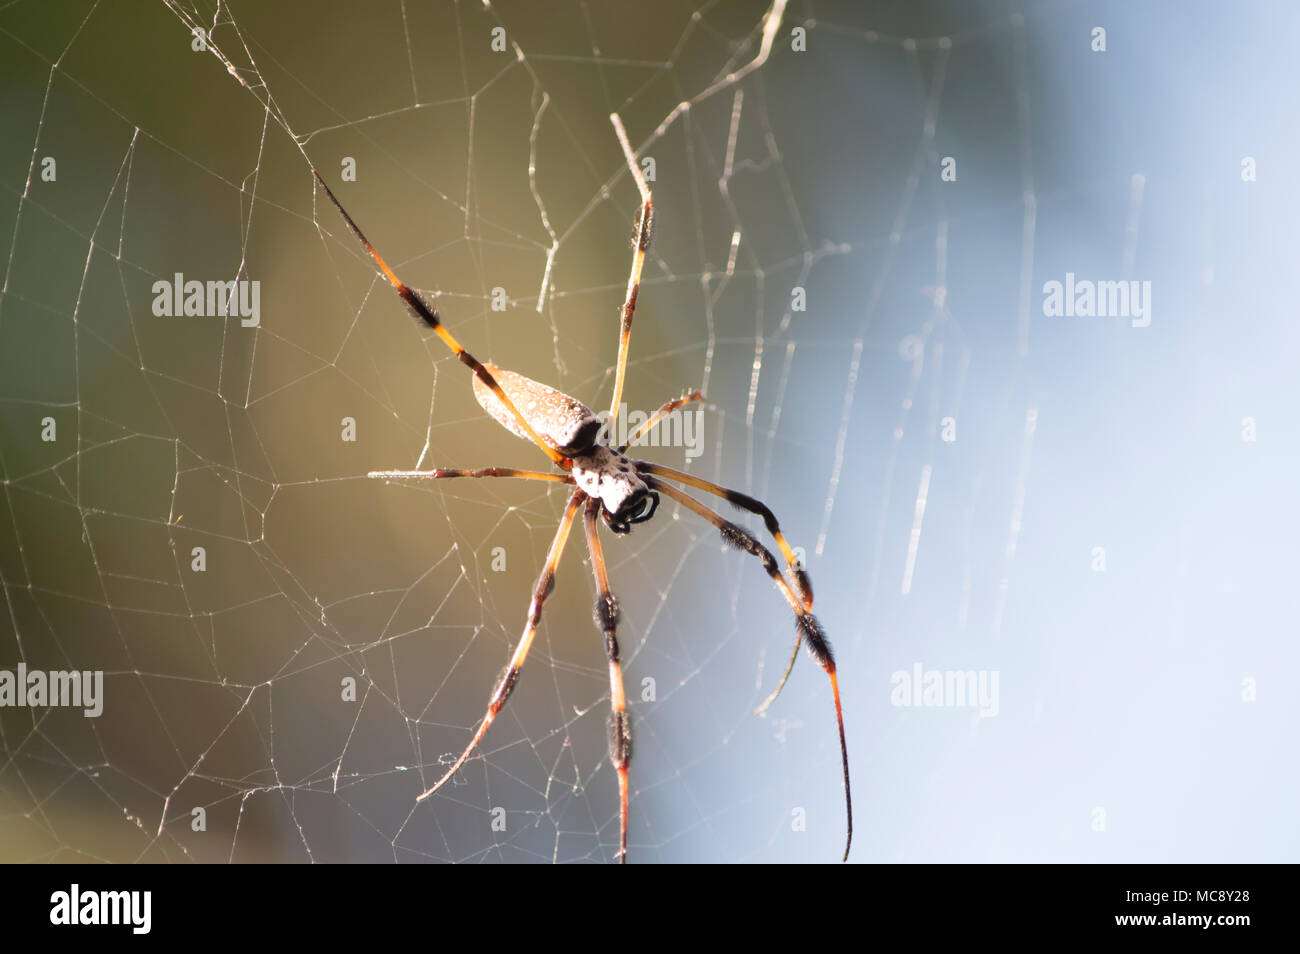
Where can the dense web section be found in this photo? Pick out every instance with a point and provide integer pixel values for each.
(292, 650)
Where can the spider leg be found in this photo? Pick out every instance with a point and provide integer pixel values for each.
(785, 677)
(744, 502)
(658, 416)
(510, 676)
(644, 229)
(443, 472)
(802, 580)
(809, 630)
(422, 311)
(606, 614)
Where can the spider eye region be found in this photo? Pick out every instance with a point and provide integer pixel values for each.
(612, 479)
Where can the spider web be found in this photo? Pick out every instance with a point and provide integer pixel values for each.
(876, 366)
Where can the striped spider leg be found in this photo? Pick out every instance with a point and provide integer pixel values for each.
(606, 614)
(808, 629)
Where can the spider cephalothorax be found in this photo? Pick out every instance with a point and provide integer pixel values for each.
(604, 474)
(609, 486)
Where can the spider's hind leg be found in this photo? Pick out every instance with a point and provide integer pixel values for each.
(640, 243)
(429, 316)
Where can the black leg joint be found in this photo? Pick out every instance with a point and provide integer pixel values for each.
(804, 581)
(545, 585)
(606, 612)
(506, 683)
(819, 647)
(620, 738)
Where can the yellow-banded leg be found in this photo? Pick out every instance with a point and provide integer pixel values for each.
(745, 502)
(644, 230)
(429, 315)
(809, 630)
(442, 473)
(658, 416)
(510, 675)
(606, 614)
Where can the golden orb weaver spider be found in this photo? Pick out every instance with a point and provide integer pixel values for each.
(621, 491)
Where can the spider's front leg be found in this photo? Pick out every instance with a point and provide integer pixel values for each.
(803, 581)
(510, 676)
(606, 614)
(808, 629)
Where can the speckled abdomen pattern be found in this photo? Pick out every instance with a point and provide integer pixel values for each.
(562, 421)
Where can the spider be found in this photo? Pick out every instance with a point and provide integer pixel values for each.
(607, 485)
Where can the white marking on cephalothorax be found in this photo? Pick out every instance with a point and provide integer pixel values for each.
(607, 475)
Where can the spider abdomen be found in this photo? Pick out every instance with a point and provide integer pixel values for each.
(562, 421)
